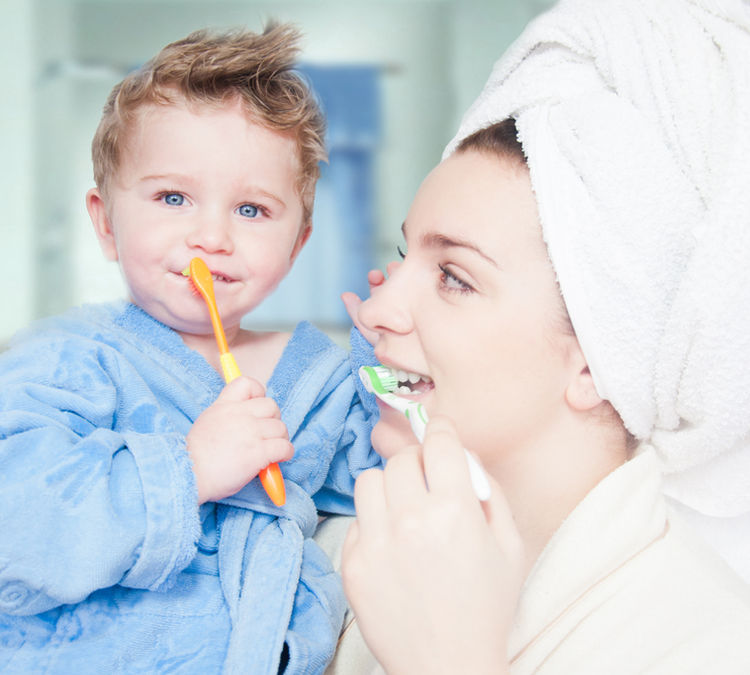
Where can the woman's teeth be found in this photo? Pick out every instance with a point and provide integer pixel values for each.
(407, 381)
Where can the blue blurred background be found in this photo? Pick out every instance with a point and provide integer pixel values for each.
(394, 77)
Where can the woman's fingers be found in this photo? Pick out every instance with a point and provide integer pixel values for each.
(447, 472)
(428, 562)
(445, 463)
(404, 481)
(369, 501)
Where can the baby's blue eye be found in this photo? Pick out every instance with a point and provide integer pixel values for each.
(248, 210)
(173, 199)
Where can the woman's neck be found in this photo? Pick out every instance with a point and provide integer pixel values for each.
(544, 483)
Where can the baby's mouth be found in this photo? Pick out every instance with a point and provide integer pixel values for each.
(215, 276)
(409, 383)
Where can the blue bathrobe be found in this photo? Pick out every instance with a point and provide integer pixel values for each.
(107, 564)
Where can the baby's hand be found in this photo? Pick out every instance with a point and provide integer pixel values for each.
(239, 434)
(352, 301)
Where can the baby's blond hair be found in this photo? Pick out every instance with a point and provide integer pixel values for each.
(213, 69)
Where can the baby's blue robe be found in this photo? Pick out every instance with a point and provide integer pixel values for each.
(107, 564)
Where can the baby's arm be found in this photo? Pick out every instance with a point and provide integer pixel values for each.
(97, 487)
(234, 438)
(85, 507)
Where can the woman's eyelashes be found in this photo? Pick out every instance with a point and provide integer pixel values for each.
(451, 282)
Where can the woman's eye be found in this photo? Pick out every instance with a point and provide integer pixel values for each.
(248, 210)
(173, 199)
(450, 282)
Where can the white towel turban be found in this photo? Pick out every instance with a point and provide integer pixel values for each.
(635, 119)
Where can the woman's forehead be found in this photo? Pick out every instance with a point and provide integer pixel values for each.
(478, 199)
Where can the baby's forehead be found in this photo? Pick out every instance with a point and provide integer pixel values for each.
(143, 116)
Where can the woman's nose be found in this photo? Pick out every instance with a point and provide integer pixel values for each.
(211, 234)
(387, 308)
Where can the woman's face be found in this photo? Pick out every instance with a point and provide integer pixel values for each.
(475, 307)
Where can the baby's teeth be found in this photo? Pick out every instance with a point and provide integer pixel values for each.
(427, 378)
(402, 375)
(414, 378)
(403, 390)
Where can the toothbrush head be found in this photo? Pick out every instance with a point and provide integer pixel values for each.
(378, 379)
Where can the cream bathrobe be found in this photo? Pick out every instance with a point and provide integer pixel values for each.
(623, 587)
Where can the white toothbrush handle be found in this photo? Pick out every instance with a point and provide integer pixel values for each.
(418, 419)
(478, 478)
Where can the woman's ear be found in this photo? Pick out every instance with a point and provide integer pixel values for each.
(581, 394)
(102, 225)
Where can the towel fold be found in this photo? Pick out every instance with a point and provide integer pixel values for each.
(635, 119)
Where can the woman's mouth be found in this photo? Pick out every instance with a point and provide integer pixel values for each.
(410, 383)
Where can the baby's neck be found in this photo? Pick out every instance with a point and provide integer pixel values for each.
(256, 352)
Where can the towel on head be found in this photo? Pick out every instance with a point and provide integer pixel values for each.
(635, 119)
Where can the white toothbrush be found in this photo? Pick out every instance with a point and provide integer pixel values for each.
(380, 381)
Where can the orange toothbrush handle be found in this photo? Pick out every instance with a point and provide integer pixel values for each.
(273, 483)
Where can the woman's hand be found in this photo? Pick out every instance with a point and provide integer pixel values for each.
(432, 575)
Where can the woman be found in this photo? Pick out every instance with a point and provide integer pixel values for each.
(576, 564)
(475, 306)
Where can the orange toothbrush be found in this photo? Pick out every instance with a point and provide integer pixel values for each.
(200, 276)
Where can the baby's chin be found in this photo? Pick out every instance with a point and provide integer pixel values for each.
(392, 434)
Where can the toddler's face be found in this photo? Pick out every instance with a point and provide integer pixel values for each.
(206, 182)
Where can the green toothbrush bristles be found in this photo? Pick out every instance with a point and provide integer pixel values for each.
(387, 379)
(378, 379)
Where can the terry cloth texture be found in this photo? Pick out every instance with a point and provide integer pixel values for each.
(623, 587)
(633, 115)
(106, 562)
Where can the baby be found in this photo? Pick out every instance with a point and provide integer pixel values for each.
(135, 535)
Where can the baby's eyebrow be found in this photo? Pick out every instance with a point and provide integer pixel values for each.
(442, 241)
(186, 179)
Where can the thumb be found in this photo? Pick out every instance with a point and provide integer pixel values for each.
(351, 302)
(241, 389)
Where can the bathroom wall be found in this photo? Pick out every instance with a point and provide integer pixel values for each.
(59, 59)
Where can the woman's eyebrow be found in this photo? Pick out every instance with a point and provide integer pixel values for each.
(442, 241)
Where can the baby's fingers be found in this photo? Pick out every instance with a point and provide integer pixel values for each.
(242, 388)
(277, 450)
(263, 408)
(272, 428)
